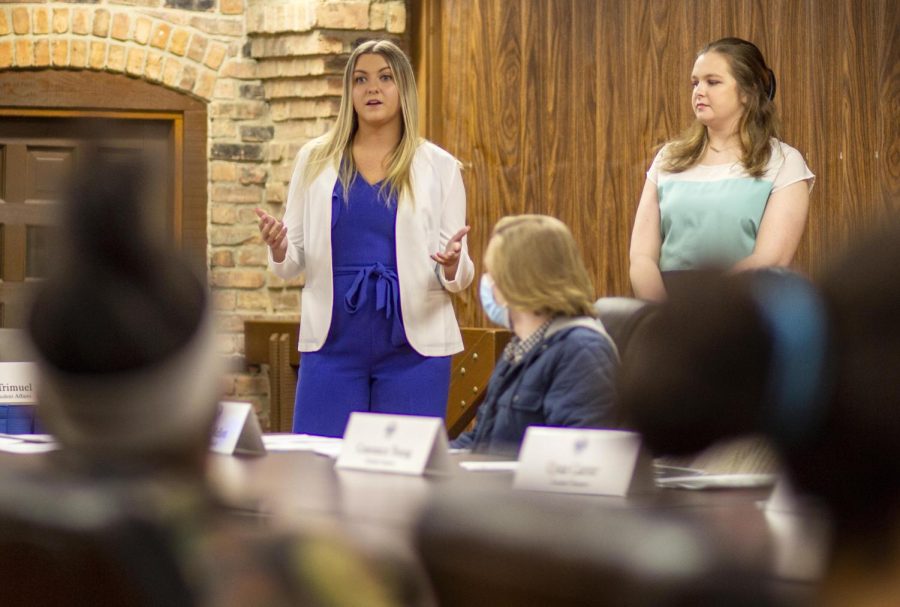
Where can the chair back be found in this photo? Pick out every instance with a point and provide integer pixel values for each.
(622, 316)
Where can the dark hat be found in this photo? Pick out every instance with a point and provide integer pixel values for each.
(121, 327)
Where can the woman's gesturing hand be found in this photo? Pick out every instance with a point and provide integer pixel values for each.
(450, 257)
(274, 234)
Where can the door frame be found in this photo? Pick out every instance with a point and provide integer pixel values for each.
(67, 94)
(177, 124)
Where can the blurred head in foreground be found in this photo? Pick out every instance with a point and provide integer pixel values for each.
(122, 331)
(815, 369)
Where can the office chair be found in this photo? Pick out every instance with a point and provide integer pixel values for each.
(622, 317)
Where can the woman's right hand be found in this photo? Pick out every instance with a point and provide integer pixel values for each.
(274, 234)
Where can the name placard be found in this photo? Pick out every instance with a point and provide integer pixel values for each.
(402, 444)
(576, 460)
(237, 430)
(785, 499)
(17, 382)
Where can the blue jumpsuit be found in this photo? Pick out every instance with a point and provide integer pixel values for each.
(366, 363)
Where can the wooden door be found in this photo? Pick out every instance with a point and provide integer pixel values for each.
(38, 157)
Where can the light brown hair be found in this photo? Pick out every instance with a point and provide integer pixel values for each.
(535, 263)
(759, 121)
(335, 146)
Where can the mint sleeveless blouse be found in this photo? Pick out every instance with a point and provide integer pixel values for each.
(710, 214)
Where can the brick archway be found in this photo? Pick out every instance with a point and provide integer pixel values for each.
(100, 38)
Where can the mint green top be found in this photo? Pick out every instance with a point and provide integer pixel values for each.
(710, 214)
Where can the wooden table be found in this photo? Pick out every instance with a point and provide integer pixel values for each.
(382, 512)
(303, 488)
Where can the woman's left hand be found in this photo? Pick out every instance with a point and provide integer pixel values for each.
(450, 257)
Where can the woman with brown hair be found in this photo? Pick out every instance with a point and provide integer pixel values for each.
(727, 192)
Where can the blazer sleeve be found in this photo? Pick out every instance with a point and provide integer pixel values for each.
(582, 388)
(295, 260)
(453, 219)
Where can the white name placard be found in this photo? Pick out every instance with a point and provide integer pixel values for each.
(403, 444)
(17, 383)
(237, 430)
(576, 460)
(784, 499)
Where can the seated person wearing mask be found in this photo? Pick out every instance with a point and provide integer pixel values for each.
(559, 367)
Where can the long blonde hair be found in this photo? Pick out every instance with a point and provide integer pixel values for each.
(535, 263)
(335, 147)
(758, 123)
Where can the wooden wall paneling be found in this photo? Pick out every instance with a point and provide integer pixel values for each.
(888, 78)
(795, 95)
(611, 159)
(568, 154)
(885, 79)
(558, 106)
(629, 99)
(816, 99)
(589, 213)
(856, 119)
(426, 50)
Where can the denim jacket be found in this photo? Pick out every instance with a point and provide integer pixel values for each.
(567, 380)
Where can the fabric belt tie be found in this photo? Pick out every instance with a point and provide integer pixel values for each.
(387, 294)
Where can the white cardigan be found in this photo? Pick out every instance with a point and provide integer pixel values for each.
(422, 229)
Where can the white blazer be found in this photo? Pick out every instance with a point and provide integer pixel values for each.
(422, 229)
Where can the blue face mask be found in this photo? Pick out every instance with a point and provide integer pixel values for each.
(499, 315)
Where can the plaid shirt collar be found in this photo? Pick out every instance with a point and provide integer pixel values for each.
(517, 348)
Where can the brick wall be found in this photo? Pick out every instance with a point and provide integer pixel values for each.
(270, 71)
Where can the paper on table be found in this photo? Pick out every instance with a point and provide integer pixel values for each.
(27, 438)
(297, 442)
(504, 466)
(718, 481)
(23, 447)
(332, 450)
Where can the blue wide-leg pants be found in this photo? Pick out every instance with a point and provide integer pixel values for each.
(360, 369)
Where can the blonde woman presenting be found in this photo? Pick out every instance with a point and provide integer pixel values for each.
(376, 218)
